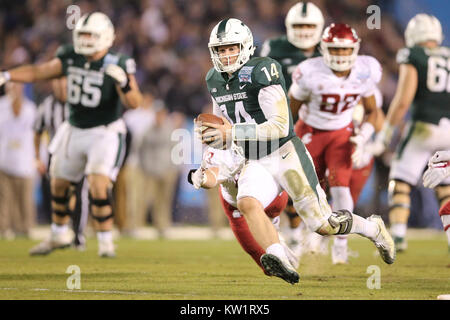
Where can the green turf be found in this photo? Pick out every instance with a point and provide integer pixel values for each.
(217, 269)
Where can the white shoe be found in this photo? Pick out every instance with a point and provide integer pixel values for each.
(339, 254)
(292, 257)
(56, 241)
(383, 241)
(106, 249)
(274, 266)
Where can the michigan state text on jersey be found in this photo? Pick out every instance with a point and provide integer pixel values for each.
(237, 97)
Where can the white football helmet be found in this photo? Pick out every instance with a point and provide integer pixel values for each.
(304, 13)
(102, 33)
(231, 31)
(339, 36)
(423, 27)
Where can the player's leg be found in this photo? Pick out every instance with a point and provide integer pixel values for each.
(292, 167)
(66, 166)
(101, 204)
(358, 180)
(315, 142)
(339, 163)
(242, 232)
(411, 157)
(78, 206)
(254, 194)
(104, 160)
(443, 195)
(60, 234)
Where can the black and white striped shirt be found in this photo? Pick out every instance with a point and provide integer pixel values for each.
(51, 114)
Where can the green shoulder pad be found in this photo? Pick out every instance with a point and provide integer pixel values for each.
(409, 55)
(266, 72)
(65, 51)
(210, 74)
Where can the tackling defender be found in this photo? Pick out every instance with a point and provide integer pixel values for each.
(423, 74)
(304, 25)
(250, 95)
(91, 142)
(222, 167)
(438, 170)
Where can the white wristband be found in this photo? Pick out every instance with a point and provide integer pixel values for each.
(244, 132)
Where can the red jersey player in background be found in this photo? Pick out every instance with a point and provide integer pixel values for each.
(329, 87)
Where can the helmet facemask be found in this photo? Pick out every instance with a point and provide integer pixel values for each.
(303, 37)
(85, 43)
(228, 67)
(93, 33)
(304, 14)
(339, 62)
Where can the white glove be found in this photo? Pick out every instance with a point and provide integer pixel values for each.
(365, 133)
(358, 153)
(4, 77)
(439, 156)
(435, 174)
(198, 178)
(383, 139)
(118, 74)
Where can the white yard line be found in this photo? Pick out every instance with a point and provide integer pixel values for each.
(96, 291)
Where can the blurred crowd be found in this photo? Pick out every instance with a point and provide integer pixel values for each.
(168, 39)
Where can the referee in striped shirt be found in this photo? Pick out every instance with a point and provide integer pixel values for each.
(52, 112)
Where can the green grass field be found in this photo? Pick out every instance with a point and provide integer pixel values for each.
(218, 269)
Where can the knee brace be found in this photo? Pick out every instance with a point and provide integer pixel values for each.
(399, 200)
(108, 202)
(62, 201)
(443, 194)
(341, 221)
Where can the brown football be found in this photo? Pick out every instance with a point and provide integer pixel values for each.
(208, 117)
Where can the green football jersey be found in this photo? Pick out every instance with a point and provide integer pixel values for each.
(237, 98)
(91, 95)
(432, 99)
(288, 55)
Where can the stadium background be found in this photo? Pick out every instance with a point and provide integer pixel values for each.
(168, 39)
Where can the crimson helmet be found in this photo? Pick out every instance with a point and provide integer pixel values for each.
(339, 35)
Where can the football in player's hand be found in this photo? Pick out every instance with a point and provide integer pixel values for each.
(206, 118)
(209, 117)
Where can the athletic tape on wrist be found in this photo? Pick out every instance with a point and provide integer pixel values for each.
(244, 132)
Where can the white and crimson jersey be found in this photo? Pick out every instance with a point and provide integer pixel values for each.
(329, 100)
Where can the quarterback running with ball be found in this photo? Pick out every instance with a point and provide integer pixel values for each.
(250, 95)
(91, 142)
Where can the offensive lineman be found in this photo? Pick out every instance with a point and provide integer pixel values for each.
(423, 83)
(304, 25)
(250, 95)
(91, 142)
(329, 87)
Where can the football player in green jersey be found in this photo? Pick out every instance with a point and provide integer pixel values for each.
(304, 25)
(250, 96)
(423, 89)
(91, 142)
